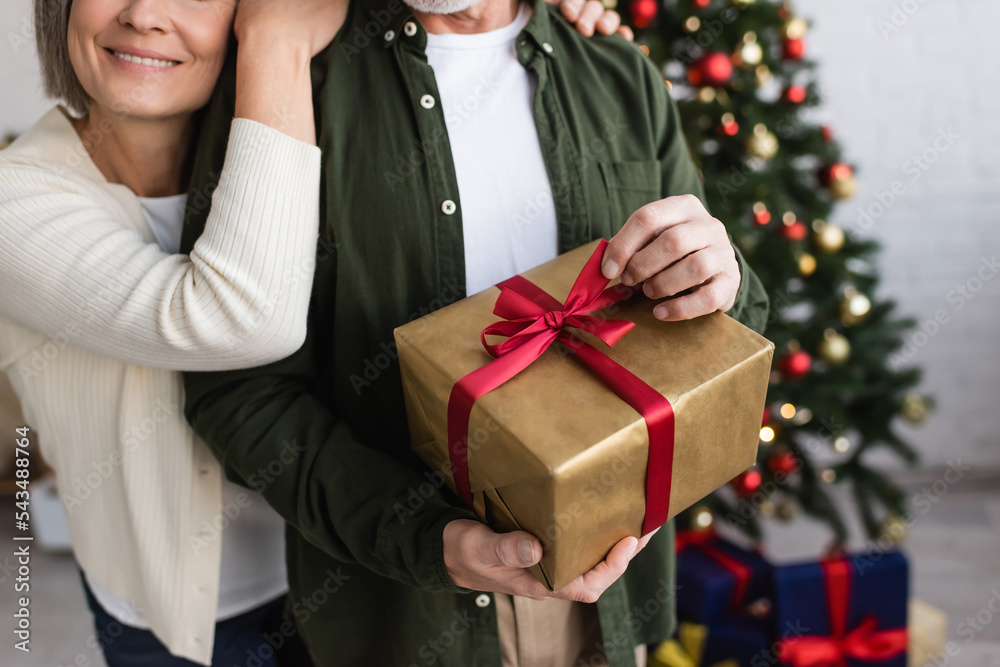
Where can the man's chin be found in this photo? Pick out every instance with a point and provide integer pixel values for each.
(441, 6)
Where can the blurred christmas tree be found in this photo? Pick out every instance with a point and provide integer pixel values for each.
(743, 85)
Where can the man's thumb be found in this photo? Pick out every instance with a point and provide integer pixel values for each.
(518, 549)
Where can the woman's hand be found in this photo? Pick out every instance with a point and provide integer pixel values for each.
(590, 15)
(313, 23)
(277, 40)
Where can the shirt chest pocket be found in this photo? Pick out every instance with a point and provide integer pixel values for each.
(628, 187)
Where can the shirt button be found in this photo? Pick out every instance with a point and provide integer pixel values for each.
(389, 35)
(548, 47)
(448, 207)
(483, 600)
(410, 29)
(427, 101)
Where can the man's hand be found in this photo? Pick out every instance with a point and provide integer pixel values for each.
(481, 560)
(590, 15)
(677, 250)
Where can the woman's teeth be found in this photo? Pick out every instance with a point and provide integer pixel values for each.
(148, 62)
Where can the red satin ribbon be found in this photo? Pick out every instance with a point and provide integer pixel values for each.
(862, 643)
(702, 540)
(533, 320)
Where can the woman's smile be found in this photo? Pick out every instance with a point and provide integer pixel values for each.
(140, 61)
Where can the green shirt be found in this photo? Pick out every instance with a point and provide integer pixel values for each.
(322, 434)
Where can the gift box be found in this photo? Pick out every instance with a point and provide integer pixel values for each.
(579, 428)
(928, 633)
(738, 641)
(845, 611)
(716, 578)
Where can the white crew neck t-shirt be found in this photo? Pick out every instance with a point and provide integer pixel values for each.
(508, 217)
(253, 543)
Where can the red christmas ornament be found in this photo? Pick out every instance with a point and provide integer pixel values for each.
(747, 483)
(795, 231)
(712, 69)
(794, 94)
(795, 365)
(838, 171)
(782, 462)
(760, 213)
(793, 49)
(701, 4)
(826, 133)
(766, 418)
(728, 129)
(643, 12)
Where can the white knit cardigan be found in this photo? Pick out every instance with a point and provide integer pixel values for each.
(95, 322)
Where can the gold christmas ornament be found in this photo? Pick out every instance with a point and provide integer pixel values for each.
(841, 445)
(854, 307)
(893, 530)
(915, 409)
(750, 53)
(828, 236)
(766, 508)
(706, 94)
(807, 264)
(762, 75)
(610, 4)
(844, 188)
(702, 518)
(785, 510)
(692, 24)
(762, 143)
(794, 29)
(834, 348)
(828, 476)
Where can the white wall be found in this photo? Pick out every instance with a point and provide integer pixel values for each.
(891, 93)
(889, 96)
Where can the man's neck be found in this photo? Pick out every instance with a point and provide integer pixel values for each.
(484, 16)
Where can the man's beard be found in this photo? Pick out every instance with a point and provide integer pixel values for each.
(441, 6)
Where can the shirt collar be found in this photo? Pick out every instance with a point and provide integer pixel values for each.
(397, 24)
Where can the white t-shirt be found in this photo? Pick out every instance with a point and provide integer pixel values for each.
(253, 543)
(508, 217)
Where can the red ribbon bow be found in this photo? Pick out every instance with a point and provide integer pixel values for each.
(702, 540)
(864, 642)
(533, 320)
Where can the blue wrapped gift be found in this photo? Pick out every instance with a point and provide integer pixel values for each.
(846, 611)
(716, 578)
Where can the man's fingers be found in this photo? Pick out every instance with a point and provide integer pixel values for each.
(518, 549)
(671, 246)
(609, 22)
(592, 10)
(645, 225)
(704, 299)
(693, 269)
(627, 33)
(589, 586)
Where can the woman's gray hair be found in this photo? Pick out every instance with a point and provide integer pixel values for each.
(58, 76)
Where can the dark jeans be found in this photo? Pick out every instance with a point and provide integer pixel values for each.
(253, 639)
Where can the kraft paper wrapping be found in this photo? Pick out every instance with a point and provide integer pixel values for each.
(927, 634)
(554, 451)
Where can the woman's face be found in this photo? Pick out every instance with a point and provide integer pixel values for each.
(149, 58)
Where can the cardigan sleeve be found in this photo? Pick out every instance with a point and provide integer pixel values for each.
(69, 269)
